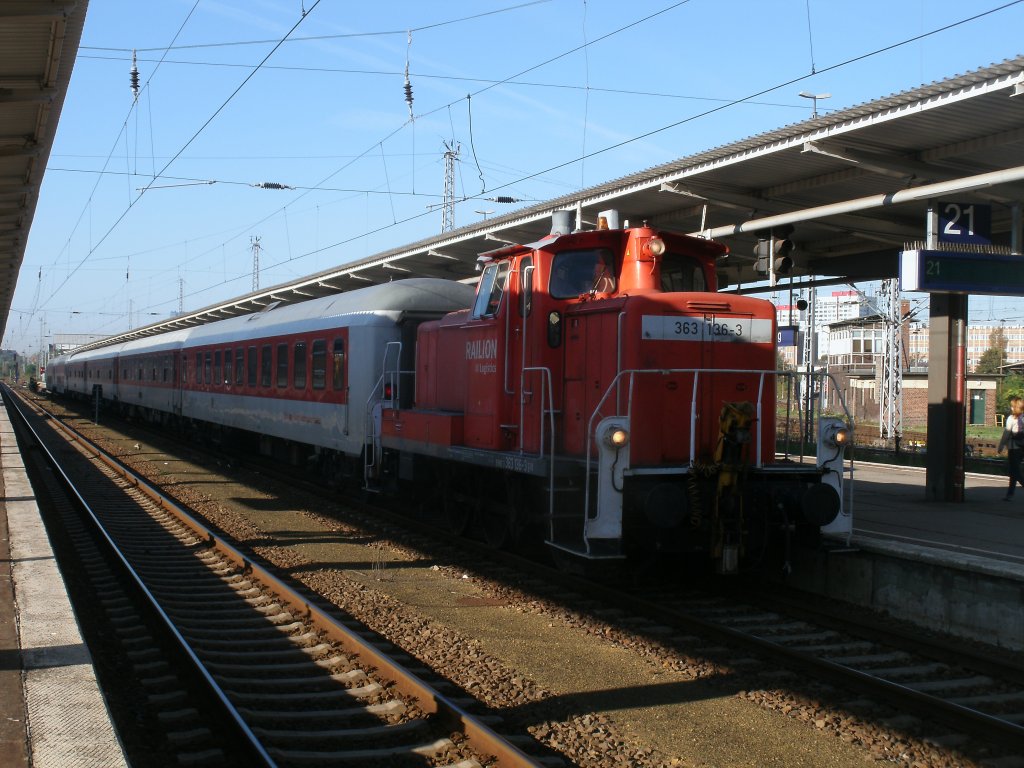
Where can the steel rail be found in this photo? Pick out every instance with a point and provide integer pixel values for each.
(481, 737)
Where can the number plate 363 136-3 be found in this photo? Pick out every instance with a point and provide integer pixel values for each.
(706, 329)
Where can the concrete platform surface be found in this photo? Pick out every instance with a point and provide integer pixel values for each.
(983, 531)
(52, 712)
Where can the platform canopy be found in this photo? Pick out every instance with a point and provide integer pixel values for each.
(38, 45)
(854, 186)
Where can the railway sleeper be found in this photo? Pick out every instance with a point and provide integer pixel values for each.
(343, 678)
(358, 692)
(392, 708)
(193, 609)
(305, 640)
(243, 622)
(258, 657)
(259, 628)
(386, 731)
(361, 756)
(328, 663)
(932, 686)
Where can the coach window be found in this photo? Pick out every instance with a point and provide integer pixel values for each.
(239, 366)
(266, 365)
(199, 367)
(207, 368)
(228, 365)
(217, 369)
(338, 366)
(282, 366)
(299, 368)
(252, 366)
(319, 380)
(492, 285)
(184, 369)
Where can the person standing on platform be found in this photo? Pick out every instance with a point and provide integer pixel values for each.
(1013, 441)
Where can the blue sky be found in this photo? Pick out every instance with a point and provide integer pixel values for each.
(151, 204)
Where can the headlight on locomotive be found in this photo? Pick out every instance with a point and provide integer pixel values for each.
(616, 437)
(838, 434)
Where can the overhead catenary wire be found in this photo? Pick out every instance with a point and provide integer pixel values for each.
(183, 148)
(340, 36)
(88, 203)
(690, 118)
(784, 84)
(810, 35)
(462, 78)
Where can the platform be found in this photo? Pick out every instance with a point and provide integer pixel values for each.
(52, 712)
(956, 567)
(890, 510)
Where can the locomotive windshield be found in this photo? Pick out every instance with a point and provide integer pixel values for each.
(681, 273)
(574, 273)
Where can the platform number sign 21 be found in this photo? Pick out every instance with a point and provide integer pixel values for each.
(965, 223)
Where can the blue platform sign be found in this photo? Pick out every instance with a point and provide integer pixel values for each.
(965, 223)
(993, 274)
(787, 336)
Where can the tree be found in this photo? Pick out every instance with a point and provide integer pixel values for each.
(993, 359)
(1012, 386)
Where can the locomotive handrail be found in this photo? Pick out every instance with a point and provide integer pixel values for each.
(547, 394)
(371, 441)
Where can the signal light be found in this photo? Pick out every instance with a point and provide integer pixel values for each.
(772, 254)
(388, 391)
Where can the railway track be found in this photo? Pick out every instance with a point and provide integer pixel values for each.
(301, 686)
(953, 694)
(968, 691)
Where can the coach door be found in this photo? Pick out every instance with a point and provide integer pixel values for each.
(177, 382)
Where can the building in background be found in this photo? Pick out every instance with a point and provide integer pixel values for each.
(979, 338)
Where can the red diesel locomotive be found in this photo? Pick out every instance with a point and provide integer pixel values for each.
(601, 386)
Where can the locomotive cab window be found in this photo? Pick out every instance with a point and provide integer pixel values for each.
(574, 273)
(490, 290)
(681, 273)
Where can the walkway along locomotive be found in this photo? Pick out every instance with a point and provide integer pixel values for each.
(595, 386)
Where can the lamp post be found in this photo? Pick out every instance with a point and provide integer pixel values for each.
(485, 214)
(814, 98)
